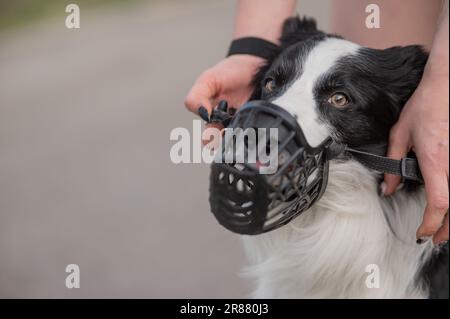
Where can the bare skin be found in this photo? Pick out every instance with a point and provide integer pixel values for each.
(402, 22)
(231, 78)
(423, 124)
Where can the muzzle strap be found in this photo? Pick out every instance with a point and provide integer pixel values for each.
(254, 46)
(407, 167)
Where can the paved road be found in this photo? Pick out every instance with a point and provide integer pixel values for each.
(85, 175)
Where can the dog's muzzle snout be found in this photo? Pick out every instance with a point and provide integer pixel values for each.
(253, 197)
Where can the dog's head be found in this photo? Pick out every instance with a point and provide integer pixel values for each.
(334, 87)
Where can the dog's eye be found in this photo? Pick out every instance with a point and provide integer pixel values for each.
(269, 85)
(338, 100)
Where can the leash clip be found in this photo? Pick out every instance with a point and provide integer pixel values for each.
(409, 169)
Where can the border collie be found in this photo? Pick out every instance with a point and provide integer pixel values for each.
(355, 94)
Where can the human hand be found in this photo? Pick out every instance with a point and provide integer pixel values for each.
(230, 80)
(424, 127)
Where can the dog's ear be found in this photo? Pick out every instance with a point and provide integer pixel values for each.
(297, 24)
(298, 29)
(409, 64)
(397, 71)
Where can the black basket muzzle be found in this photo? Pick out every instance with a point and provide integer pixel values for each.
(247, 200)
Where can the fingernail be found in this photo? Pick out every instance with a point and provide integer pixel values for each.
(383, 187)
(421, 240)
(232, 111)
(223, 105)
(203, 113)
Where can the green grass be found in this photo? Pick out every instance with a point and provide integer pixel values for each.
(19, 12)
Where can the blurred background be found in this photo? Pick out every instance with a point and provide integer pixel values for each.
(85, 173)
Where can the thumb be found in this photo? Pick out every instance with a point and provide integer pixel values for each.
(397, 149)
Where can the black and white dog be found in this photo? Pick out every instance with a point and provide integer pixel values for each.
(355, 94)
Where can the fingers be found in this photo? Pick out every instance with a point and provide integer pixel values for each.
(436, 187)
(398, 148)
(442, 233)
(214, 122)
(203, 113)
(202, 93)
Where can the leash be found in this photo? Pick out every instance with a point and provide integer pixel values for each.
(407, 168)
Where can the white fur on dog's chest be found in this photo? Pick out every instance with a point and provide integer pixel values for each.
(325, 252)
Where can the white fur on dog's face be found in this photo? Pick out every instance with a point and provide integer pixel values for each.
(299, 99)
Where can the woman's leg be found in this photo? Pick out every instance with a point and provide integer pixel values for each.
(401, 22)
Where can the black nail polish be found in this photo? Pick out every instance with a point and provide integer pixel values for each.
(203, 113)
(223, 106)
(420, 241)
(232, 111)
